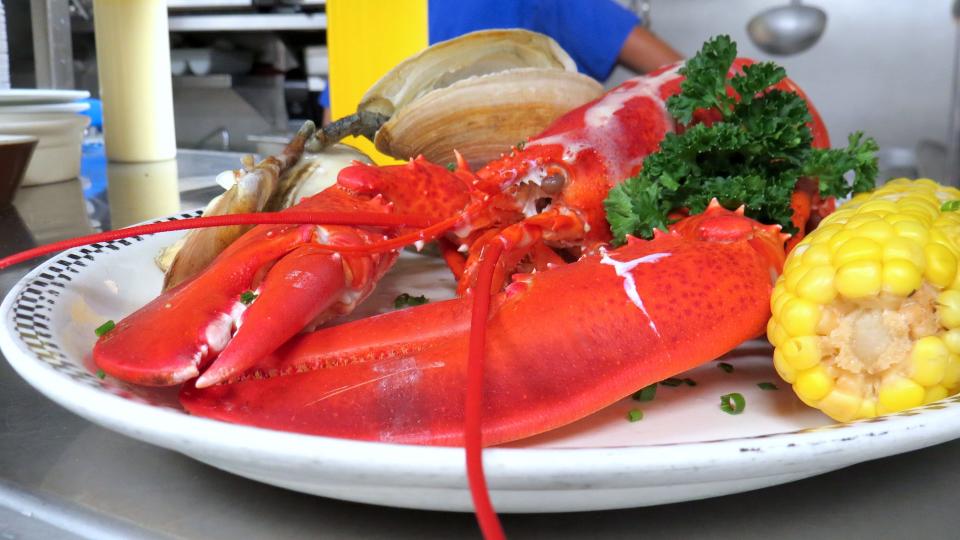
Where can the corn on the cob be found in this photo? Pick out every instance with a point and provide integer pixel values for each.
(866, 316)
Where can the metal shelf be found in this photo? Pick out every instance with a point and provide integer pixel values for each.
(248, 22)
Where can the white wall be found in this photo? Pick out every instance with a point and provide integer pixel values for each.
(883, 66)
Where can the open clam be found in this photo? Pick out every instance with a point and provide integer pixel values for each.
(480, 94)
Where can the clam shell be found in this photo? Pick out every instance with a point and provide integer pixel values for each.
(470, 55)
(483, 117)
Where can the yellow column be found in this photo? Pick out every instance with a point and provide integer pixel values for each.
(365, 39)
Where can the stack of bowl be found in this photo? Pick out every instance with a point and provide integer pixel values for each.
(52, 116)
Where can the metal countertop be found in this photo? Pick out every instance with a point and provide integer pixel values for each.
(63, 477)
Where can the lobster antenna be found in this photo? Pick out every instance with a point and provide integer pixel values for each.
(473, 407)
(262, 218)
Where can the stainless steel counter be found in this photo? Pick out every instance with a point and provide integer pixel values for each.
(62, 477)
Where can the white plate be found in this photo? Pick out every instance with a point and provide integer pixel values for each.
(40, 95)
(685, 448)
(43, 108)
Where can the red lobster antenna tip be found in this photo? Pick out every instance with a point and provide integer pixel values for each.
(263, 218)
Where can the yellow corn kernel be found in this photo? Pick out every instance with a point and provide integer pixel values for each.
(794, 275)
(948, 308)
(928, 360)
(951, 375)
(901, 277)
(781, 300)
(825, 231)
(898, 394)
(877, 205)
(839, 239)
(934, 393)
(801, 352)
(861, 219)
(840, 406)
(859, 279)
(813, 384)
(857, 249)
(816, 254)
(784, 369)
(912, 229)
(941, 265)
(817, 285)
(902, 248)
(878, 230)
(951, 338)
(799, 317)
(777, 335)
(868, 409)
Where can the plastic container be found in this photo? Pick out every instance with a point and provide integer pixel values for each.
(60, 137)
(133, 60)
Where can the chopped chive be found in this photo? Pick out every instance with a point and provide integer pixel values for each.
(104, 328)
(689, 382)
(635, 415)
(726, 367)
(767, 386)
(451, 166)
(247, 297)
(101, 373)
(672, 382)
(406, 300)
(521, 145)
(732, 403)
(646, 393)
(950, 206)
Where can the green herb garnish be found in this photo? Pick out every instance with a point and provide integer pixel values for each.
(101, 374)
(247, 297)
(950, 206)
(672, 382)
(726, 367)
(646, 393)
(767, 386)
(732, 403)
(406, 300)
(104, 328)
(635, 415)
(451, 166)
(753, 155)
(521, 145)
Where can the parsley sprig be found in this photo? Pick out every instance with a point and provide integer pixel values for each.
(753, 155)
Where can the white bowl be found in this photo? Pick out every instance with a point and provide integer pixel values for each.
(60, 137)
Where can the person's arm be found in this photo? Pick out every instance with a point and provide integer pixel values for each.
(643, 51)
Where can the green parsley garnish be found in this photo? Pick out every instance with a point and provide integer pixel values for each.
(732, 403)
(635, 415)
(646, 393)
(689, 382)
(451, 166)
(247, 297)
(672, 382)
(521, 145)
(726, 367)
(753, 155)
(104, 328)
(101, 374)
(950, 206)
(767, 386)
(405, 300)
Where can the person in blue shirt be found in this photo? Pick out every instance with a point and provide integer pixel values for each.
(598, 34)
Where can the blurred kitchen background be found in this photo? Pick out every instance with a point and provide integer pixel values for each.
(247, 72)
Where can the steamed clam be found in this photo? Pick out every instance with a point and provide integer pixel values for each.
(479, 94)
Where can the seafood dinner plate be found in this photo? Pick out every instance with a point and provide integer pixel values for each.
(684, 448)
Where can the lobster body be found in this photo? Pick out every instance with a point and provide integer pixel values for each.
(560, 344)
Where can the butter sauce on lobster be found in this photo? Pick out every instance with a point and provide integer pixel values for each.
(577, 285)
